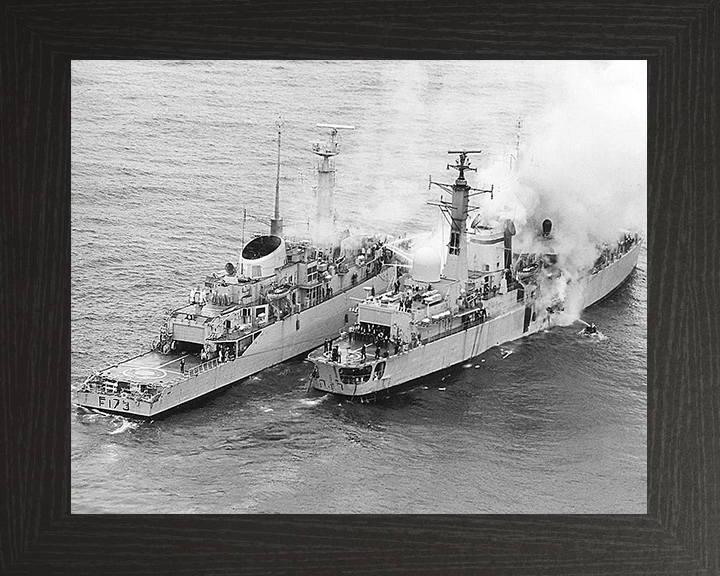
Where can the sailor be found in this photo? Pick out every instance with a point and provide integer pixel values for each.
(182, 366)
(372, 290)
(363, 353)
(377, 351)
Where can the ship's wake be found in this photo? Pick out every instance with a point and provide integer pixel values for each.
(314, 401)
(125, 425)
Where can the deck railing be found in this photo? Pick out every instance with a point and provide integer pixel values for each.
(455, 330)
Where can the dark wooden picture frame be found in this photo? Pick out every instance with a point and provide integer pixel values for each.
(681, 532)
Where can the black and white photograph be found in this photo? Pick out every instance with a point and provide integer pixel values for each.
(359, 286)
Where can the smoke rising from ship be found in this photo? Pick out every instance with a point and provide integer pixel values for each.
(583, 166)
(582, 158)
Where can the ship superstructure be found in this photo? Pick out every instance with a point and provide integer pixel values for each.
(432, 318)
(279, 300)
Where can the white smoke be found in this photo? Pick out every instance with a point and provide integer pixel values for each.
(583, 165)
(586, 159)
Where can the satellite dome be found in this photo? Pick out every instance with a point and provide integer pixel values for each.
(426, 265)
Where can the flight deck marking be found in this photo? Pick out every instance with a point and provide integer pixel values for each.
(145, 373)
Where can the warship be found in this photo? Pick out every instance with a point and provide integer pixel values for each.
(280, 300)
(432, 317)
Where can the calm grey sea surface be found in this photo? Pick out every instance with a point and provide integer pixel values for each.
(166, 155)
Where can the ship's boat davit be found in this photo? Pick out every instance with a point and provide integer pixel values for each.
(262, 256)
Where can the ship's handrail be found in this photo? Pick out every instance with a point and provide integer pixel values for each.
(200, 369)
(455, 330)
(354, 357)
(614, 255)
(204, 367)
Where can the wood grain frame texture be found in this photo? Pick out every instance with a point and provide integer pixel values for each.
(680, 533)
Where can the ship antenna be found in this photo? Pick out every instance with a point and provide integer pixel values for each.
(243, 225)
(276, 223)
(456, 211)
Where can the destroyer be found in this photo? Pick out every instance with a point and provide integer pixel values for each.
(486, 296)
(282, 299)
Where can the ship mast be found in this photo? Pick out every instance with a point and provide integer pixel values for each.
(325, 221)
(456, 265)
(276, 223)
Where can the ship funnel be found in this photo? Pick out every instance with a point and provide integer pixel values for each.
(508, 233)
(546, 227)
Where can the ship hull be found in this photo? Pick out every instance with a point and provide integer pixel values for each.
(280, 341)
(426, 359)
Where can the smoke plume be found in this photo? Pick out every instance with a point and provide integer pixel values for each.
(583, 165)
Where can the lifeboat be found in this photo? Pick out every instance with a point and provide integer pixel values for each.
(279, 292)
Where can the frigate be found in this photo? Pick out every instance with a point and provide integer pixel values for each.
(281, 299)
(439, 314)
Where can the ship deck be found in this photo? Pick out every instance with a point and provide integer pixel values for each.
(350, 351)
(151, 367)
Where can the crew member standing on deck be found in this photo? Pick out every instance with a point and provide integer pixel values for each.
(182, 366)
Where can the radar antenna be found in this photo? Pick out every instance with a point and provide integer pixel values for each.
(461, 166)
(330, 148)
